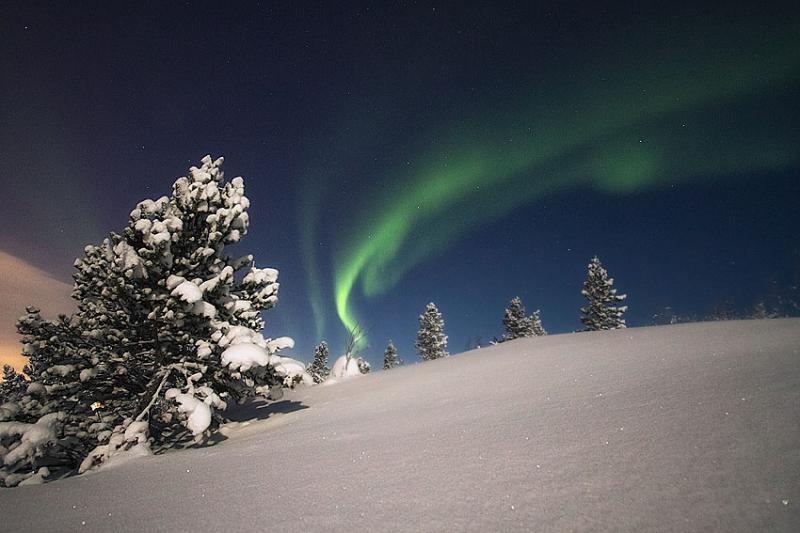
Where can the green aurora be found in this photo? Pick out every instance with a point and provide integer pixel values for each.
(637, 127)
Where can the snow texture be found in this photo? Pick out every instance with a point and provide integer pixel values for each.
(691, 427)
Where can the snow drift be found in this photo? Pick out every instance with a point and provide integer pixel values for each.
(680, 428)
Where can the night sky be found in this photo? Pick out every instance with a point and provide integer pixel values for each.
(402, 153)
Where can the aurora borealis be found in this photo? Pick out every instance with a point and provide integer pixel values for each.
(631, 134)
(398, 154)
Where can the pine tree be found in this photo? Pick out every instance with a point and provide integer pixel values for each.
(319, 370)
(390, 359)
(431, 341)
(515, 322)
(535, 321)
(12, 385)
(601, 313)
(760, 312)
(167, 326)
(518, 325)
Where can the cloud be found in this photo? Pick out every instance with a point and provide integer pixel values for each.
(21, 285)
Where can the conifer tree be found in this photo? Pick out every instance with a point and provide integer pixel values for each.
(12, 384)
(168, 324)
(431, 341)
(390, 359)
(319, 370)
(363, 365)
(535, 321)
(602, 313)
(515, 322)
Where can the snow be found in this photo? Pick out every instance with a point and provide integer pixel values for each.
(37, 478)
(243, 357)
(345, 367)
(33, 437)
(198, 412)
(173, 281)
(136, 431)
(241, 335)
(290, 370)
(61, 370)
(129, 260)
(8, 410)
(281, 343)
(621, 430)
(261, 275)
(204, 309)
(125, 444)
(188, 292)
(36, 388)
(87, 374)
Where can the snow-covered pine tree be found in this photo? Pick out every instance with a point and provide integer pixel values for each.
(363, 365)
(535, 321)
(515, 322)
(319, 370)
(47, 423)
(12, 384)
(167, 330)
(431, 341)
(760, 312)
(390, 359)
(602, 313)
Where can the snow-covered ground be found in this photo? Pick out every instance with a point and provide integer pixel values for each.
(679, 428)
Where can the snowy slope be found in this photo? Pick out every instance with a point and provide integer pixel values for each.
(680, 428)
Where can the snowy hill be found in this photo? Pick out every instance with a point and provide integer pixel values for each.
(679, 428)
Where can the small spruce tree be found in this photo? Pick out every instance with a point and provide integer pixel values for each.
(760, 312)
(431, 341)
(319, 370)
(518, 325)
(602, 313)
(390, 359)
(12, 385)
(515, 322)
(363, 365)
(536, 324)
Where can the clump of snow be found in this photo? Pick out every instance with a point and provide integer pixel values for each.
(136, 431)
(281, 343)
(239, 335)
(197, 410)
(291, 370)
(33, 438)
(36, 388)
(36, 479)
(204, 309)
(261, 275)
(173, 281)
(61, 370)
(8, 411)
(128, 441)
(188, 292)
(243, 357)
(130, 261)
(345, 367)
(87, 374)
